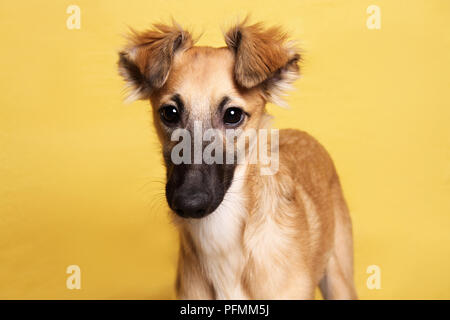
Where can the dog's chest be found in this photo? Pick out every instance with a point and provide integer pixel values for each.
(219, 243)
(221, 255)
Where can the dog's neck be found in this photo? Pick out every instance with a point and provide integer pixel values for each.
(221, 231)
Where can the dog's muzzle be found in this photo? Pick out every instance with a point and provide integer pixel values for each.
(196, 190)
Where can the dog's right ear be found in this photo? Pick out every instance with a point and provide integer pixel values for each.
(146, 61)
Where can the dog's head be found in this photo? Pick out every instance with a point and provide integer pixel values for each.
(194, 89)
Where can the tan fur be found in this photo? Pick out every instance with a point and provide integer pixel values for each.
(273, 236)
(150, 54)
(263, 57)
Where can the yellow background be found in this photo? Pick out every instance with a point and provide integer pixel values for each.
(81, 179)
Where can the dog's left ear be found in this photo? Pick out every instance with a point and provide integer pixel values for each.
(263, 57)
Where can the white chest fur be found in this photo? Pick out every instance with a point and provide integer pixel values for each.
(218, 239)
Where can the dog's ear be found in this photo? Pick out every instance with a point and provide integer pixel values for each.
(263, 57)
(146, 61)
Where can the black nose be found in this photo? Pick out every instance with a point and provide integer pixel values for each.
(191, 203)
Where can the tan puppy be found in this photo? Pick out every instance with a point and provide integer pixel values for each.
(243, 234)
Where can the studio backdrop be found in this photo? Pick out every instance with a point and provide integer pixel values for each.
(81, 174)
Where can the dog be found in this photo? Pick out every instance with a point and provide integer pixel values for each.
(243, 234)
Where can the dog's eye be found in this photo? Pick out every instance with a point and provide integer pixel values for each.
(233, 116)
(169, 115)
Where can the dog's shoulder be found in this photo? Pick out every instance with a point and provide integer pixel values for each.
(304, 158)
